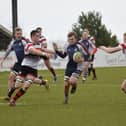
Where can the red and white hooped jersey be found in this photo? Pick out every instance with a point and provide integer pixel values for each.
(30, 59)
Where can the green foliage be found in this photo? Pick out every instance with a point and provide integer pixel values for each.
(93, 21)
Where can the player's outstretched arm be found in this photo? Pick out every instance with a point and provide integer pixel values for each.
(111, 49)
(48, 51)
(9, 49)
(37, 52)
(59, 53)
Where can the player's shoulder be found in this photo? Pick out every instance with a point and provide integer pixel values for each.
(28, 46)
(12, 41)
(79, 45)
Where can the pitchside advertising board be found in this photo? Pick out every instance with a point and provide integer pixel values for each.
(102, 59)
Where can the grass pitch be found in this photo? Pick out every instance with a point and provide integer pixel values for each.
(96, 103)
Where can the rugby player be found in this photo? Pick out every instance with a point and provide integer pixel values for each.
(73, 69)
(43, 42)
(33, 54)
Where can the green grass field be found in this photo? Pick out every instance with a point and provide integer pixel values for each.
(96, 103)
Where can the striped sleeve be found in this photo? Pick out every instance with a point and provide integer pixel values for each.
(28, 47)
(9, 49)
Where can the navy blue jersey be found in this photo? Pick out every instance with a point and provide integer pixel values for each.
(86, 44)
(69, 51)
(18, 47)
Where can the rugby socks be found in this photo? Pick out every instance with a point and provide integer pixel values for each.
(89, 71)
(85, 74)
(11, 91)
(94, 73)
(52, 71)
(73, 89)
(66, 90)
(19, 94)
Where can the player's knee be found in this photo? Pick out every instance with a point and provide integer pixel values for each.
(12, 77)
(66, 84)
(28, 83)
(19, 82)
(73, 80)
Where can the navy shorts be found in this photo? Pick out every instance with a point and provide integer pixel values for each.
(16, 68)
(72, 72)
(68, 72)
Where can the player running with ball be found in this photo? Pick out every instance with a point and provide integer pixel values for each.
(73, 68)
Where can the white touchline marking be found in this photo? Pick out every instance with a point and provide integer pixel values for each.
(2, 103)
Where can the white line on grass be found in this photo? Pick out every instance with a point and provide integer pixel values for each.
(2, 103)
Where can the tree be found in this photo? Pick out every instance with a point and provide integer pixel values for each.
(93, 22)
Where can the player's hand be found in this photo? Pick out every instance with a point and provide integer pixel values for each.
(55, 47)
(47, 55)
(81, 59)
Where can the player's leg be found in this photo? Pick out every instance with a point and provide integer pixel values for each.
(85, 75)
(123, 86)
(85, 70)
(27, 83)
(40, 81)
(29, 74)
(11, 80)
(73, 83)
(68, 73)
(73, 80)
(51, 69)
(94, 72)
(66, 89)
(18, 83)
(89, 71)
(18, 79)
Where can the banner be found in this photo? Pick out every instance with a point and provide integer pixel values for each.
(102, 59)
